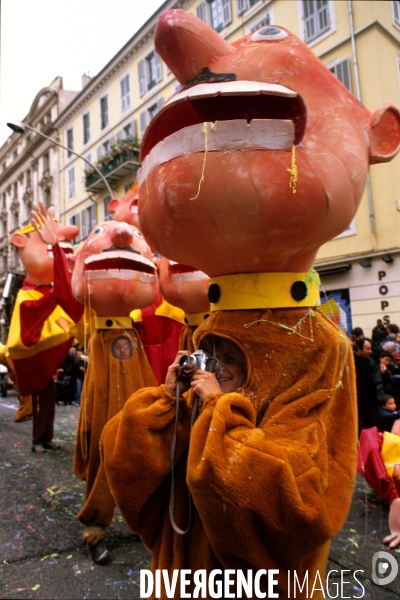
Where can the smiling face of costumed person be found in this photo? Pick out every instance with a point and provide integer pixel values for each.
(121, 348)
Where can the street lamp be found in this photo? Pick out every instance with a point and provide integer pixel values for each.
(19, 127)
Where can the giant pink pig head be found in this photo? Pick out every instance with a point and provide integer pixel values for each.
(220, 158)
(127, 208)
(114, 272)
(36, 256)
(184, 286)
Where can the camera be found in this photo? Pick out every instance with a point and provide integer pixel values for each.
(190, 363)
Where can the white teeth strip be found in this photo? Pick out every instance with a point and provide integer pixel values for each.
(134, 209)
(119, 254)
(222, 136)
(230, 88)
(193, 276)
(123, 274)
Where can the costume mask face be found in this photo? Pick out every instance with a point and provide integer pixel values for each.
(218, 158)
(37, 257)
(126, 209)
(114, 271)
(184, 286)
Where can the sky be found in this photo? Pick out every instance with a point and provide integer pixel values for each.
(42, 39)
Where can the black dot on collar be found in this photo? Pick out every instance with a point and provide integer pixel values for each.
(214, 293)
(206, 316)
(109, 322)
(299, 290)
(186, 321)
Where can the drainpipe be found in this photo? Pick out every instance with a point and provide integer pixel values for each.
(358, 96)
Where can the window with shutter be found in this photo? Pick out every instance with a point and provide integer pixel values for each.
(86, 127)
(71, 182)
(241, 6)
(70, 141)
(316, 18)
(142, 78)
(107, 216)
(103, 112)
(221, 14)
(396, 11)
(143, 122)
(125, 93)
(158, 67)
(201, 11)
(342, 72)
(84, 227)
(227, 13)
(74, 220)
(100, 152)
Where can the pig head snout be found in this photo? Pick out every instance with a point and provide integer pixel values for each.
(122, 235)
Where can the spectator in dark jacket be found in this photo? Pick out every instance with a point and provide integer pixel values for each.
(369, 384)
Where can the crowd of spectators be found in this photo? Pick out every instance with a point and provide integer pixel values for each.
(377, 363)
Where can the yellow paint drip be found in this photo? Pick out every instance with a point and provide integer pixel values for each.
(293, 171)
(204, 130)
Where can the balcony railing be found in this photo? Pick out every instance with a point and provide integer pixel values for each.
(122, 160)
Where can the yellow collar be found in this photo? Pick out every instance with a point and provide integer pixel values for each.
(195, 319)
(264, 290)
(113, 323)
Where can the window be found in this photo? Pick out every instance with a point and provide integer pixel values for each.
(88, 220)
(243, 5)
(103, 112)
(128, 131)
(262, 23)
(47, 197)
(147, 115)
(86, 127)
(201, 11)
(28, 179)
(71, 182)
(105, 147)
(15, 191)
(342, 72)
(316, 18)
(74, 220)
(70, 141)
(396, 11)
(88, 165)
(107, 215)
(46, 163)
(3, 200)
(4, 227)
(15, 155)
(125, 93)
(150, 72)
(221, 14)
(14, 257)
(4, 259)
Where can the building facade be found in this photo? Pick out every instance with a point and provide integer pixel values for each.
(29, 172)
(358, 41)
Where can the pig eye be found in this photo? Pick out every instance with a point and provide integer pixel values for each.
(268, 34)
(98, 230)
(138, 233)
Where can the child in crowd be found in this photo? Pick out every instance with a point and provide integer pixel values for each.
(387, 412)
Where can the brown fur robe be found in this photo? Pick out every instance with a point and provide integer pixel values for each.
(108, 383)
(271, 470)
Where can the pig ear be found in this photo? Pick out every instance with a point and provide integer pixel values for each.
(384, 133)
(113, 205)
(18, 240)
(71, 258)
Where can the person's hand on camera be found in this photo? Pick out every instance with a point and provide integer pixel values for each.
(204, 383)
(172, 376)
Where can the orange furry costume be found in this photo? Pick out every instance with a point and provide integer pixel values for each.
(108, 383)
(270, 471)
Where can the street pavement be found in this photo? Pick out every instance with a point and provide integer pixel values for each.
(42, 555)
